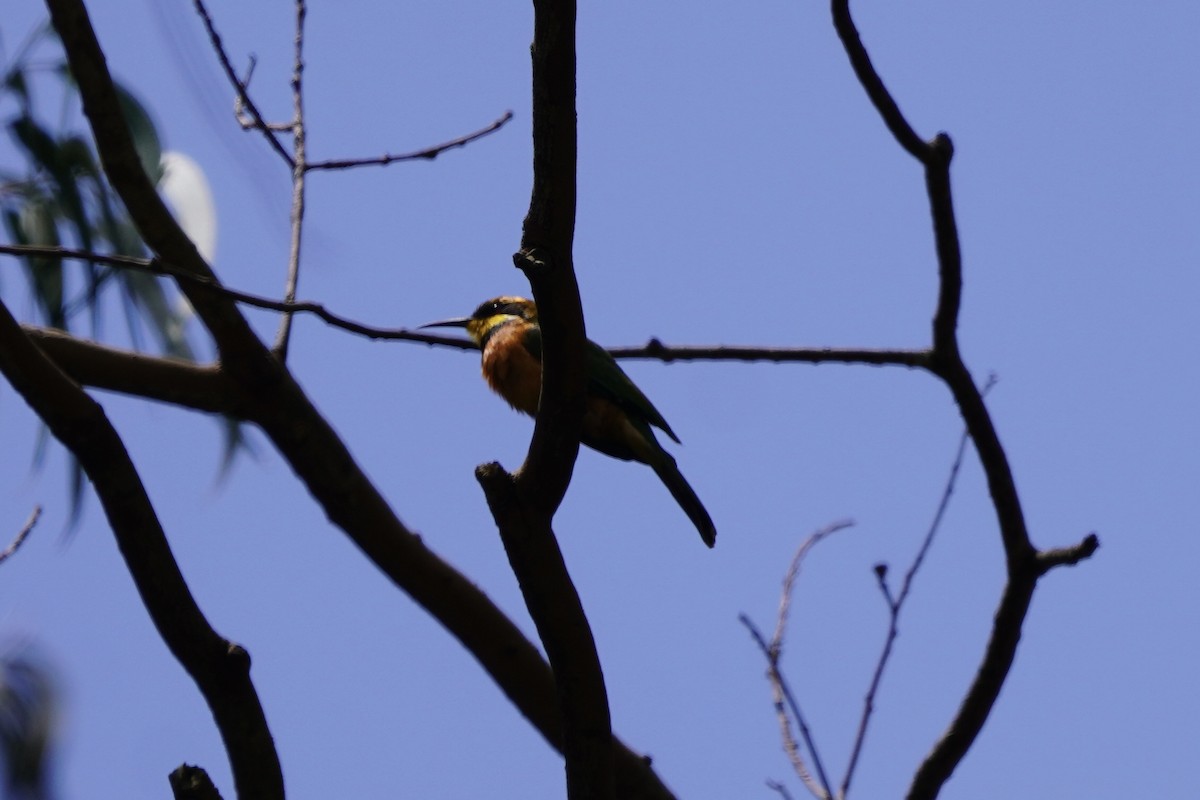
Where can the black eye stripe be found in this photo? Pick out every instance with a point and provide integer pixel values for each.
(486, 310)
(503, 306)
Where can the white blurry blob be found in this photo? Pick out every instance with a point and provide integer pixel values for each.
(186, 191)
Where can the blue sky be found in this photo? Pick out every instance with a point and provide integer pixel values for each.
(734, 187)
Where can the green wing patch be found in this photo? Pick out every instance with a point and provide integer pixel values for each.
(606, 379)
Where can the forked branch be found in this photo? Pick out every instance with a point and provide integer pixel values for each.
(524, 504)
(1023, 562)
(220, 668)
(310, 445)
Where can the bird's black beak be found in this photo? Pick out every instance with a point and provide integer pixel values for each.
(454, 322)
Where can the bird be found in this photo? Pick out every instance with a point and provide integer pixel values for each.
(617, 417)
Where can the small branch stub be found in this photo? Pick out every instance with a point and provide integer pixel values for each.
(1068, 556)
(533, 262)
(189, 782)
(942, 147)
(22, 534)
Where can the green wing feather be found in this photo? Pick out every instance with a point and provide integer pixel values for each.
(606, 379)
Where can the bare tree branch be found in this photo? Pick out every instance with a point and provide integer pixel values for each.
(22, 534)
(562, 625)
(786, 707)
(240, 349)
(1023, 562)
(546, 259)
(896, 603)
(313, 449)
(653, 350)
(243, 96)
(299, 169)
(779, 789)
(157, 266)
(784, 696)
(425, 154)
(864, 70)
(201, 387)
(1068, 556)
(524, 504)
(220, 668)
(192, 783)
(949, 254)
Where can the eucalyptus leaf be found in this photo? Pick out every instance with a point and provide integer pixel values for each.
(28, 725)
(37, 226)
(167, 323)
(49, 155)
(15, 82)
(145, 135)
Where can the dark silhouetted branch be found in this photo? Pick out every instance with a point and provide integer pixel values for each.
(426, 154)
(220, 668)
(557, 611)
(201, 387)
(547, 240)
(306, 440)
(873, 84)
(654, 350)
(192, 783)
(949, 254)
(157, 266)
(253, 118)
(1024, 564)
(243, 101)
(524, 504)
(1068, 556)
(241, 352)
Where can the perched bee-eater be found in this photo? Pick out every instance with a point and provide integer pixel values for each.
(617, 417)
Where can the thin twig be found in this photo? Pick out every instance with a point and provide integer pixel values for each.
(427, 154)
(299, 168)
(157, 266)
(779, 684)
(22, 534)
(780, 789)
(943, 504)
(655, 350)
(239, 108)
(243, 96)
(896, 602)
(790, 746)
(789, 578)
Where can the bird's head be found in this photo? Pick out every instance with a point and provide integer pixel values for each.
(490, 315)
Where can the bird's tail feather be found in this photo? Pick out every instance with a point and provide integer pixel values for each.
(683, 493)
